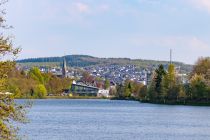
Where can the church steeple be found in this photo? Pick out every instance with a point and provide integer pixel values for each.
(64, 68)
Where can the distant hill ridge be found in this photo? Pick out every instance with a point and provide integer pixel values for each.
(86, 60)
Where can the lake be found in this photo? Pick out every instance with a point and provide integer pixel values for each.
(115, 120)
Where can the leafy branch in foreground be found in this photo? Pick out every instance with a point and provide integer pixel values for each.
(10, 112)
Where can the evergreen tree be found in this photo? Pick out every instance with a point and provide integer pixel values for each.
(159, 75)
(152, 94)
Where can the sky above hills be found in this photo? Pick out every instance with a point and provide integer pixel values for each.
(144, 29)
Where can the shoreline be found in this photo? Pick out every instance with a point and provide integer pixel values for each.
(179, 103)
(172, 103)
(65, 97)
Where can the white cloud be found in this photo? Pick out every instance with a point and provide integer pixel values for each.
(82, 7)
(201, 4)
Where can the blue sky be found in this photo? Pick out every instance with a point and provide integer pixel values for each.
(144, 29)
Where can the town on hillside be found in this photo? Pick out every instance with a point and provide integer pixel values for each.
(92, 80)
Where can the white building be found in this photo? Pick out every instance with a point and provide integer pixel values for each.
(103, 93)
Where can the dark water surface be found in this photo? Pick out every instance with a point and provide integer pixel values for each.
(115, 120)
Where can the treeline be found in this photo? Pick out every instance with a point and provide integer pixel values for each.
(35, 84)
(72, 60)
(129, 90)
(168, 88)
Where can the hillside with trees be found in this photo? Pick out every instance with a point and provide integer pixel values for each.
(85, 61)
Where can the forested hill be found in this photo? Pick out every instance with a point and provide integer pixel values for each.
(85, 60)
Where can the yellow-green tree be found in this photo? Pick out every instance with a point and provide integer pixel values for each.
(202, 67)
(171, 76)
(36, 74)
(198, 86)
(10, 112)
(40, 91)
(169, 82)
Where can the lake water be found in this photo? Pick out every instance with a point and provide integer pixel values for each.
(115, 120)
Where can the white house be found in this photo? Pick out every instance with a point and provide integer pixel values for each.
(103, 93)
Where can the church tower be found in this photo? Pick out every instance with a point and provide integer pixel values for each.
(64, 68)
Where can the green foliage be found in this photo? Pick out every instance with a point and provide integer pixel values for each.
(35, 74)
(10, 112)
(120, 91)
(182, 93)
(143, 93)
(159, 75)
(56, 85)
(167, 87)
(171, 76)
(152, 94)
(107, 84)
(40, 91)
(127, 92)
(202, 67)
(130, 89)
(200, 79)
(198, 86)
(29, 85)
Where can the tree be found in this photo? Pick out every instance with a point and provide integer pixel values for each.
(36, 74)
(171, 76)
(198, 86)
(182, 93)
(159, 75)
(107, 84)
(143, 92)
(137, 88)
(40, 91)
(87, 78)
(202, 67)
(10, 112)
(169, 83)
(127, 92)
(152, 94)
(120, 91)
(113, 91)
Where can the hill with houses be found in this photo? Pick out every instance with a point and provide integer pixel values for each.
(90, 61)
